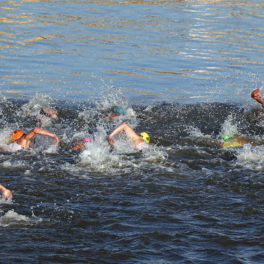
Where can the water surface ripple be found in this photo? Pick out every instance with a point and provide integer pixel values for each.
(164, 50)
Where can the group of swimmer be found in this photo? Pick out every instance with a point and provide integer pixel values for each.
(19, 140)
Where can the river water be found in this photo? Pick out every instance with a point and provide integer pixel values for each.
(183, 72)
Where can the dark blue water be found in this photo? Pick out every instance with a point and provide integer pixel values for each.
(183, 71)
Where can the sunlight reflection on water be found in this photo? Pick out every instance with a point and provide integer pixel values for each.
(168, 50)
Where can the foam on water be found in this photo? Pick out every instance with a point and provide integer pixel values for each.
(51, 149)
(100, 156)
(5, 201)
(250, 156)
(11, 218)
(14, 164)
(154, 154)
(229, 128)
(46, 122)
(195, 132)
(112, 96)
(35, 104)
(2, 98)
(4, 135)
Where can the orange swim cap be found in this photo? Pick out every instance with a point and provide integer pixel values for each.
(16, 134)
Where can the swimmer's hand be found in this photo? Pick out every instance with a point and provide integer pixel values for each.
(111, 141)
(56, 140)
(255, 94)
(6, 193)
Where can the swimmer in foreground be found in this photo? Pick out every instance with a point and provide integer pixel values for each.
(141, 141)
(19, 140)
(5, 192)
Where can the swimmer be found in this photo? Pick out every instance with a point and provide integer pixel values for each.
(44, 113)
(141, 141)
(118, 110)
(5, 192)
(48, 112)
(19, 140)
(115, 112)
(81, 145)
(255, 95)
(234, 142)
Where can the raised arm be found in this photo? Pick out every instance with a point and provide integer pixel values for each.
(128, 130)
(255, 95)
(117, 130)
(5, 192)
(42, 132)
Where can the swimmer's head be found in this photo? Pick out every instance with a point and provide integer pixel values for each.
(16, 134)
(48, 112)
(88, 139)
(118, 110)
(145, 136)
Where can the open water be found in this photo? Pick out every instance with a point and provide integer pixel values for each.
(183, 71)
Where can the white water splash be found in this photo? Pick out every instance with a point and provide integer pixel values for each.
(5, 201)
(35, 104)
(229, 128)
(195, 132)
(99, 156)
(2, 98)
(111, 98)
(250, 157)
(12, 218)
(15, 164)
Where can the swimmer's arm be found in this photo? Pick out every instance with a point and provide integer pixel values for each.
(255, 95)
(42, 132)
(128, 130)
(5, 192)
(117, 130)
